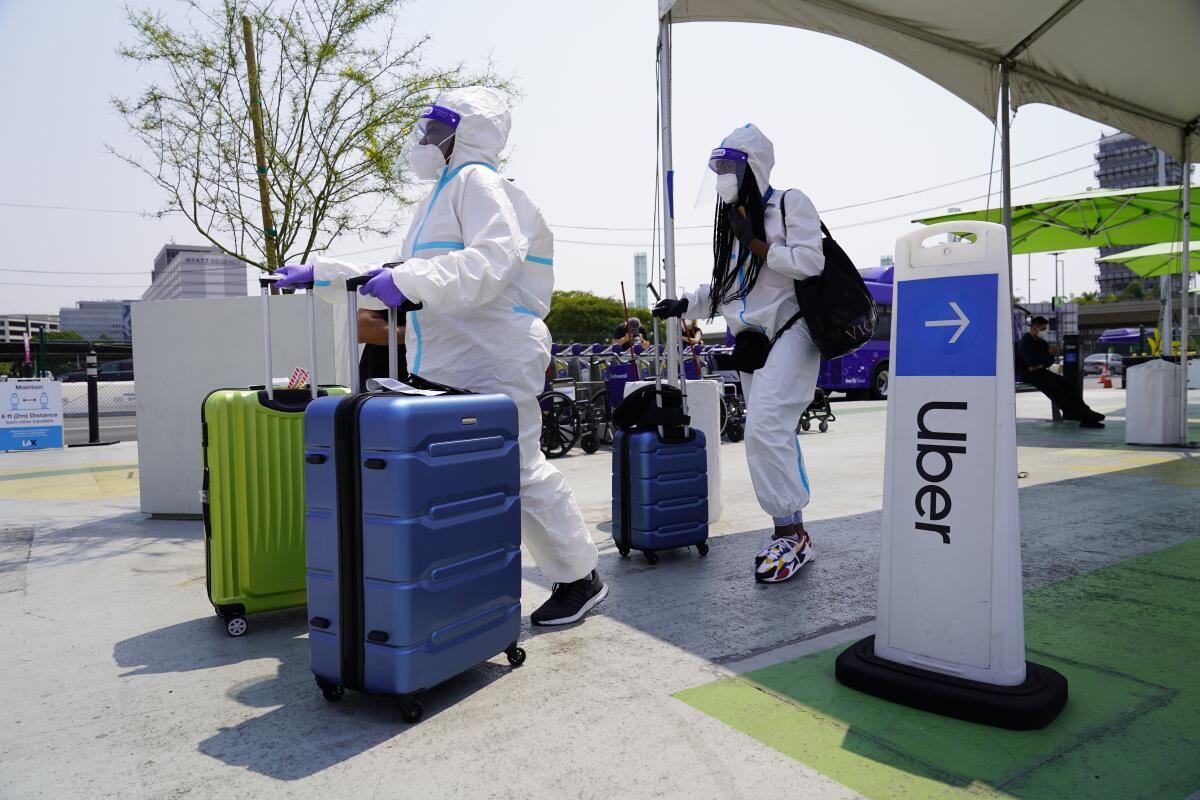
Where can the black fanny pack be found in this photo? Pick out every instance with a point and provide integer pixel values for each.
(750, 350)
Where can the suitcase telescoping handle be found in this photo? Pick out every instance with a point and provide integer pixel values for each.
(658, 369)
(352, 286)
(265, 283)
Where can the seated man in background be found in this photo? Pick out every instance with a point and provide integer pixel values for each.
(631, 334)
(1037, 356)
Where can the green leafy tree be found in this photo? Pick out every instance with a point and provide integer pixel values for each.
(577, 316)
(1134, 290)
(63, 335)
(1087, 298)
(1109, 298)
(340, 94)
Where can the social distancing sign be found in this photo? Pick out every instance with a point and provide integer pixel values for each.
(30, 415)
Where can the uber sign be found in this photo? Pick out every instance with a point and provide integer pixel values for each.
(949, 596)
(950, 633)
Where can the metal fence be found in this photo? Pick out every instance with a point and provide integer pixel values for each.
(66, 360)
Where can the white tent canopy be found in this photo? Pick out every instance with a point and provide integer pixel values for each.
(1134, 66)
(1131, 65)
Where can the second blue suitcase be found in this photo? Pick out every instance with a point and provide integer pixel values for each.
(660, 492)
(413, 526)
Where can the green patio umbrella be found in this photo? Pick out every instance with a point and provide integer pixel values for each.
(1154, 260)
(1106, 218)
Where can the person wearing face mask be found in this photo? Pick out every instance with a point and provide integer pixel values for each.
(478, 257)
(765, 238)
(1036, 358)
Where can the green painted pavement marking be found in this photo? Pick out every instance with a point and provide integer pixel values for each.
(54, 473)
(1127, 639)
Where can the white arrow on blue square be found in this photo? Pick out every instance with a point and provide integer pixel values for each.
(946, 326)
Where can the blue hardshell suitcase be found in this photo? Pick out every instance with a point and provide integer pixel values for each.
(413, 534)
(660, 492)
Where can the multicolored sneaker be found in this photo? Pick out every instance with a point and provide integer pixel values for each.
(783, 558)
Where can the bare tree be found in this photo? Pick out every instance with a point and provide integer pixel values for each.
(340, 92)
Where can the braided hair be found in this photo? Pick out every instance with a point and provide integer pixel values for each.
(725, 286)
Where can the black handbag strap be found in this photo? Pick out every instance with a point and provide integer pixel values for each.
(783, 212)
(795, 317)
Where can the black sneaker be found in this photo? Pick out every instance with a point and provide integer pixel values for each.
(570, 601)
(1091, 423)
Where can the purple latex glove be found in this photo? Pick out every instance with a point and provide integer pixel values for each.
(383, 288)
(293, 276)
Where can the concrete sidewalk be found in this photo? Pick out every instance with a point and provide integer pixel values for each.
(122, 683)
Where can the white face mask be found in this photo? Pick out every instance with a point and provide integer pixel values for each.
(727, 187)
(426, 161)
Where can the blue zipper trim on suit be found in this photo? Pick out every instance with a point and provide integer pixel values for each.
(549, 262)
(447, 175)
(524, 310)
(416, 326)
(800, 465)
(742, 273)
(439, 246)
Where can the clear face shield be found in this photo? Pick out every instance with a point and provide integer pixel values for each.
(431, 141)
(723, 178)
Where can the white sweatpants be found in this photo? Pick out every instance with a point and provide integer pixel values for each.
(552, 525)
(776, 396)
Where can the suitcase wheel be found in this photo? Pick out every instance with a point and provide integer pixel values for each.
(805, 425)
(651, 557)
(332, 691)
(624, 551)
(516, 655)
(411, 710)
(235, 625)
(823, 427)
(702, 549)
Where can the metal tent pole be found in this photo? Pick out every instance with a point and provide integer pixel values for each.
(664, 107)
(1006, 168)
(1186, 219)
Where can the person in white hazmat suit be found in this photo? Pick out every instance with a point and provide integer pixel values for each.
(479, 255)
(764, 239)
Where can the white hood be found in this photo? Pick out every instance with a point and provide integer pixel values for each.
(484, 125)
(751, 141)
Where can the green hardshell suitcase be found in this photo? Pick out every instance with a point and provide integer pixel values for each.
(253, 492)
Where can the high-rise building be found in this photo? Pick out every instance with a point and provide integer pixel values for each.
(195, 272)
(93, 319)
(640, 278)
(1125, 162)
(12, 326)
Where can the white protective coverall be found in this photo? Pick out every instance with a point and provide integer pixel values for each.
(479, 255)
(777, 394)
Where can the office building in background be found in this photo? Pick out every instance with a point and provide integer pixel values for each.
(195, 272)
(93, 319)
(1126, 162)
(12, 326)
(641, 296)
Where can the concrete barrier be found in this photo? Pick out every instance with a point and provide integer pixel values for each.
(183, 349)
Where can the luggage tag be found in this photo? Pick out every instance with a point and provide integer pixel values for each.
(390, 385)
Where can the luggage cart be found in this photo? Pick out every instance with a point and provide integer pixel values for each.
(818, 410)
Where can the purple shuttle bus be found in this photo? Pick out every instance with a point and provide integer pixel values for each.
(864, 373)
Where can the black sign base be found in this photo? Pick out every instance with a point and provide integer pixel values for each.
(1032, 705)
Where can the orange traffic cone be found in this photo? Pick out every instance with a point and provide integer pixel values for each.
(1105, 378)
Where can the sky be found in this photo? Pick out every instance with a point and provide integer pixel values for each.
(849, 127)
